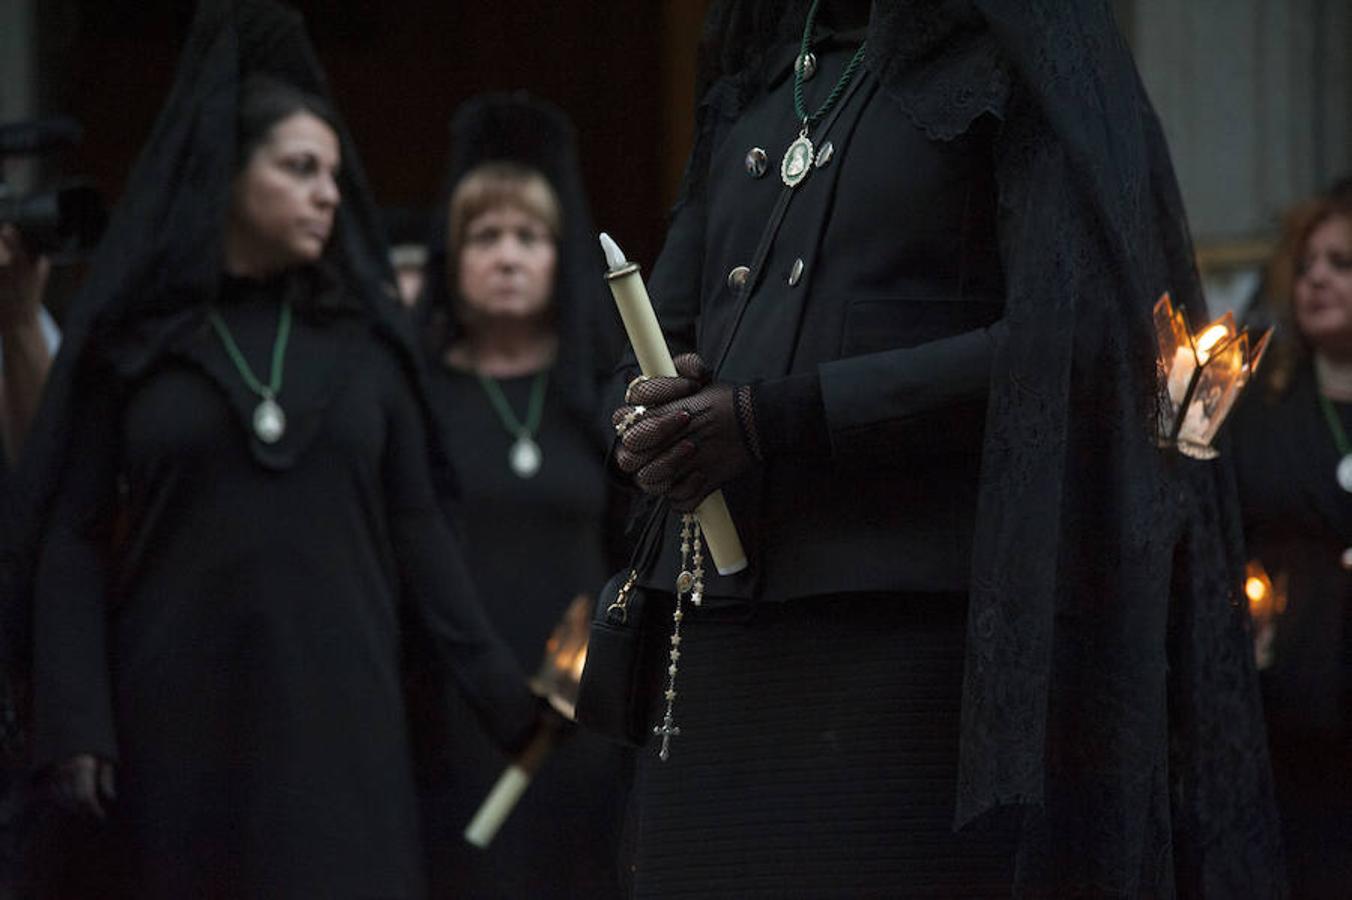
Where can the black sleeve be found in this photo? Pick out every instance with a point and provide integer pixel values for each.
(437, 588)
(72, 691)
(922, 399)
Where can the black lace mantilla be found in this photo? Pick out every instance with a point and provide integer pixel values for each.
(1108, 689)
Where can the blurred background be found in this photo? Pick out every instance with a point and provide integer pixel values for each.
(1255, 95)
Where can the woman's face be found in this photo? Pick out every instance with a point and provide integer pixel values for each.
(507, 263)
(284, 200)
(1323, 292)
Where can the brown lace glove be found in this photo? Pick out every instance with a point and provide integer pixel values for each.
(641, 430)
(689, 446)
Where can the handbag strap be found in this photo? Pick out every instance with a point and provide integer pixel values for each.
(617, 611)
(645, 549)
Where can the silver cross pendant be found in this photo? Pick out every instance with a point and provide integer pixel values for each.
(668, 731)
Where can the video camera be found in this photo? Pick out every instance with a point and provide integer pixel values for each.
(65, 220)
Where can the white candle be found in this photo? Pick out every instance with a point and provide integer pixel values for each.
(497, 806)
(511, 784)
(1195, 423)
(650, 348)
(1180, 373)
(636, 309)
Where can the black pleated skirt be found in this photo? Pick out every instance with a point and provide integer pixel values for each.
(817, 757)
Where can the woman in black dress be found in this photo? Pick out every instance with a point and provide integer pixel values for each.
(519, 334)
(1295, 478)
(243, 521)
(916, 253)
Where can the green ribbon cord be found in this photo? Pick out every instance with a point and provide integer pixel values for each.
(274, 385)
(844, 81)
(1335, 426)
(534, 411)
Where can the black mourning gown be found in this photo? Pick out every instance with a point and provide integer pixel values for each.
(238, 651)
(532, 545)
(1298, 522)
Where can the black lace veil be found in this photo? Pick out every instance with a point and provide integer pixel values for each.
(520, 128)
(1110, 690)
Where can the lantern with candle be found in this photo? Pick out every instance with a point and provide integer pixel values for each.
(1267, 601)
(557, 681)
(560, 672)
(1201, 376)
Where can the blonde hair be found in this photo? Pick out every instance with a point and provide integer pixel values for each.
(496, 184)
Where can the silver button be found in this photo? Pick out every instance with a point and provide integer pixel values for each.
(796, 273)
(824, 154)
(806, 66)
(756, 162)
(738, 276)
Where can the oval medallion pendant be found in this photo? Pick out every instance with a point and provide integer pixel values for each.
(1345, 473)
(797, 161)
(525, 457)
(269, 422)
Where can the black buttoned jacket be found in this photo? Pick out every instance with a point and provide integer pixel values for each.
(880, 282)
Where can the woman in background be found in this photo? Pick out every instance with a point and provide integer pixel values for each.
(239, 517)
(915, 253)
(1294, 463)
(521, 337)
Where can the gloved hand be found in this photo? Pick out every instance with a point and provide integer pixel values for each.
(654, 391)
(84, 784)
(688, 447)
(643, 432)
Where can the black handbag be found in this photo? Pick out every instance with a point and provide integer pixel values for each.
(613, 697)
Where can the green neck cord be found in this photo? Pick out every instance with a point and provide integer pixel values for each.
(1335, 425)
(534, 411)
(274, 385)
(799, 109)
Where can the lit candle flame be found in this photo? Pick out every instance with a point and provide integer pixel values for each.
(566, 661)
(1266, 599)
(1208, 339)
(1200, 376)
(560, 672)
(1267, 602)
(579, 663)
